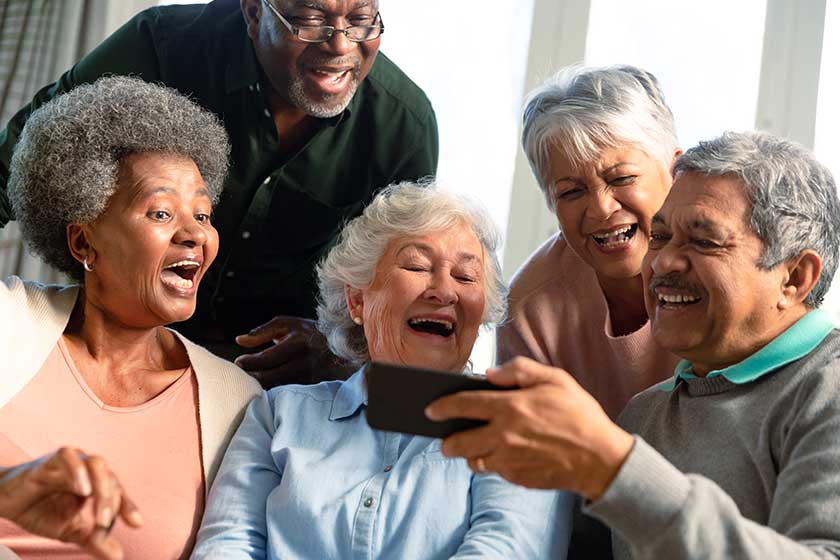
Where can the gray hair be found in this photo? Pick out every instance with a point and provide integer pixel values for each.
(793, 196)
(65, 166)
(401, 209)
(583, 110)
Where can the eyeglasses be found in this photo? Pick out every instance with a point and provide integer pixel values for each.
(323, 33)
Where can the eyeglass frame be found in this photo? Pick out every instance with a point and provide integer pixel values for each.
(332, 30)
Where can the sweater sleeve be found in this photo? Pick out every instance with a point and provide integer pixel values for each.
(656, 511)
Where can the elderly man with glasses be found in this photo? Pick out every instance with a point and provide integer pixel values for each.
(318, 122)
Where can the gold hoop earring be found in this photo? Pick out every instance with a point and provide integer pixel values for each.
(85, 264)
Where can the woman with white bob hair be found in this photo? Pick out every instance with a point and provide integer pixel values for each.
(601, 143)
(410, 282)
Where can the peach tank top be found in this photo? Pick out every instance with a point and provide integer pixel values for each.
(154, 449)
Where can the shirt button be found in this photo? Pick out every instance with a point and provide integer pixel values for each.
(267, 113)
(267, 180)
(369, 502)
(388, 468)
(246, 235)
(251, 87)
(230, 274)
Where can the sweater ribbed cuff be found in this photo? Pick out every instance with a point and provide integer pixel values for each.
(644, 497)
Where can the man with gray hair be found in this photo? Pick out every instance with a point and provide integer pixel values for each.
(736, 455)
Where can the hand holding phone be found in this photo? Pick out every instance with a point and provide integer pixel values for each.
(399, 395)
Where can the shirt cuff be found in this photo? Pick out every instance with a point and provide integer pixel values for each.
(646, 495)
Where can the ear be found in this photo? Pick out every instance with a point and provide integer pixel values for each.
(355, 301)
(77, 241)
(802, 274)
(251, 11)
(677, 153)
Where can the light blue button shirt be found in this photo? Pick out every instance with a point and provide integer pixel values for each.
(306, 477)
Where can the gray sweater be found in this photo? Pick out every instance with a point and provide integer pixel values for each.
(721, 470)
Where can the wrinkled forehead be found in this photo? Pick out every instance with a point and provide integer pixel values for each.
(710, 198)
(332, 7)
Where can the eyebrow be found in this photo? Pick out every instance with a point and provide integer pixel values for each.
(658, 220)
(321, 8)
(424, 248)
(201, 191)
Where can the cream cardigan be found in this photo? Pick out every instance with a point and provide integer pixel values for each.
(33, 317)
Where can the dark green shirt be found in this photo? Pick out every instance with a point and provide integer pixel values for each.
(280, 212)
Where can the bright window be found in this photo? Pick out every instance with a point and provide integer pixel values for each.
(706, 55)
(827, 133)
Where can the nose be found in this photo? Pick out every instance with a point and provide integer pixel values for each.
(442, 289)
(339, 44)
(667, 259)
(190, 234)
(602, 204)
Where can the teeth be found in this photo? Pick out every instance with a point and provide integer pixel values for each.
(677, 298)
(447, 324)
(177, 282)
(612, 233)
(185, 263)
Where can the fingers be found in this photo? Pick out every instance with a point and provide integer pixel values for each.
(278, 327)
(129, 513)
(282, 352)
(103, 546)
(107, 494)
(64, 471)
(525, 372)
(263, 334)
(475, 443)
(479, 405)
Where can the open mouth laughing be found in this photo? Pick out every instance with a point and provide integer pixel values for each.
(617, 237)
(434, 326)
(181, 274)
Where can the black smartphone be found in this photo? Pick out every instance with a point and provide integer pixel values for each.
(398, 395)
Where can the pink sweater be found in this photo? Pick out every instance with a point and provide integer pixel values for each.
(559, 316)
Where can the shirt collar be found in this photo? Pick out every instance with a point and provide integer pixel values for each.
(351, 396)
(797, 341)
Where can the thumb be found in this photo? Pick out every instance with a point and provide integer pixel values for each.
(260, 335)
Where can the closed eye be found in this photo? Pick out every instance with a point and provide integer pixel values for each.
(571, 194)
(705, 243)
(658, 240)
(622, 181)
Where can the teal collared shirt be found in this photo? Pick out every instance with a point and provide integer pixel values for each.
(280, 212)
(797, 341)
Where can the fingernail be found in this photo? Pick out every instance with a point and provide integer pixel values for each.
(493, 370)
(429, 412)
(135, 518)
(105, 516)
(83, 482)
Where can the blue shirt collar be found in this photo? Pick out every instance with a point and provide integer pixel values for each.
(350, 397)
(797, 341)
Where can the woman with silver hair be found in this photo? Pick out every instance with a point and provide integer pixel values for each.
(113, 184)
(410, 282)
(601, 142)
